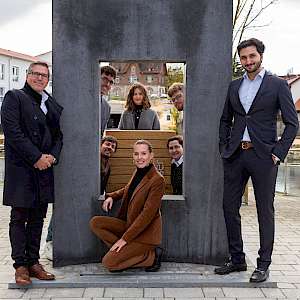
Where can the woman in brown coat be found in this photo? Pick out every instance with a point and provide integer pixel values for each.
(133, 237)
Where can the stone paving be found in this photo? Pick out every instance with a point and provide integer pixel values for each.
(285, 268)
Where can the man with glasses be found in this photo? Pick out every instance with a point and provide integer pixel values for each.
(176, 93)
(33, 141)
(108, 75)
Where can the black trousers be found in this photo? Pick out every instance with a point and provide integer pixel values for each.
(237, 170)
(25, 231)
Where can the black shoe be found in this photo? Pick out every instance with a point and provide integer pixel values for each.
(231, 267)
(157, 261)
(259, 275)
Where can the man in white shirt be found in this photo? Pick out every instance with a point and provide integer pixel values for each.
(175, 147)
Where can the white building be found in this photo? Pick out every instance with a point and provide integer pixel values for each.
(13, 70)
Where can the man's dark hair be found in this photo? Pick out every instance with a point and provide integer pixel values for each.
(110, 139)
(38, 63)
(109, 70)
(178, 138)
(260, 47)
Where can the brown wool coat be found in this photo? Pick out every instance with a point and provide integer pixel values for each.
(142, 212)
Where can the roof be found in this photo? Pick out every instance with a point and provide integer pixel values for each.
(17, 55)
(144, 67)
(291, 79)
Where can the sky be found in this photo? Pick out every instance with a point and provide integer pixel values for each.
(26, 27)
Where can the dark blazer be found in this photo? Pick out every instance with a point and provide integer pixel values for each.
(28, 134)
(148, 120)
(142, 211)
(272, 96)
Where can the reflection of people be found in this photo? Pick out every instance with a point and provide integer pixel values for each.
(109, 145)
(175, 147)
(33, 141)
(176, 93)
(249, 147)
(134, 236)
(108, 75)
(138, 114)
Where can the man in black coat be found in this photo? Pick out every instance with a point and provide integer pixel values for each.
(250, 148)
(33, 141)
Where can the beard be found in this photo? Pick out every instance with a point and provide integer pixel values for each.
(255, 68)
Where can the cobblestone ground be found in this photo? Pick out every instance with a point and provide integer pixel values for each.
(285, 268)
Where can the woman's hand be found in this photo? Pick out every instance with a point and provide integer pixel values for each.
(107, 204)
(118, 245)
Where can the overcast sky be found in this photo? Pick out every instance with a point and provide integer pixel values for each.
(26, 27)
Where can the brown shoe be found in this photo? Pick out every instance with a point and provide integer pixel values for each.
(39, 272)
(22, 276)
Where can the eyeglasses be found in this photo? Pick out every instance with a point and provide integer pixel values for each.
(37, 74)
(177, 98)
(107, 81)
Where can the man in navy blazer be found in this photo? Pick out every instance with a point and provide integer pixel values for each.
(250, 148)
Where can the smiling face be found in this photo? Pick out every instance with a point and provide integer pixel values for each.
(38, 78)
(141, 155)
(178, 100)
(175, 149)
(138, 97)
(251, 60)
(107, 81)
(107, 149)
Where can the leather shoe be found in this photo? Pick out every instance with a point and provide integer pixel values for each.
(259, 275)
(230, 267)
(39, 272)
(22, 276)
(157, 260)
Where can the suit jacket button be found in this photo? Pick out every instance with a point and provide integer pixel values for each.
(248, 117)
(35, 117)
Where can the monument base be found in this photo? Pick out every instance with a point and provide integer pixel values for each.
(171, 275)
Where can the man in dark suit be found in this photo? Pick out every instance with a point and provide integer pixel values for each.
(175, 148)
(33, 141)
(108, 75)
(109, 145)
(250, 148)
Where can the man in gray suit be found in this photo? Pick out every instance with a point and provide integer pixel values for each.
(250, 148)
(108, 75)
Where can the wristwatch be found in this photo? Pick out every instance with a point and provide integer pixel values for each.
(54, 160)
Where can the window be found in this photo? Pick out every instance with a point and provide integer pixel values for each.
(15, 73)
(117, 80)
(2, 93)
(132, 79)
(168, 118)
(132, 69)
(149, 78)
(2, 71)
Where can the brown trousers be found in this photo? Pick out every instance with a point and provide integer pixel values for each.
(132, 255)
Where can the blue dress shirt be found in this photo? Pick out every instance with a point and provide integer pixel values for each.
(247, 93)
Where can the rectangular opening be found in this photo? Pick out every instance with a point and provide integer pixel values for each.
(156, 77)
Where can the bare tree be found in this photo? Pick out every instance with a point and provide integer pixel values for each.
(246, 15)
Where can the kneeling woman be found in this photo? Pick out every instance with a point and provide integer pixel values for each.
(133, 237)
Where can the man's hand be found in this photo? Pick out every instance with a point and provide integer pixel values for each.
(117, 246)
(43, 163)
(50, 158)
(275, 159)
(107, 204)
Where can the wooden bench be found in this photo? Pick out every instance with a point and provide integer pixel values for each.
(122, 165)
